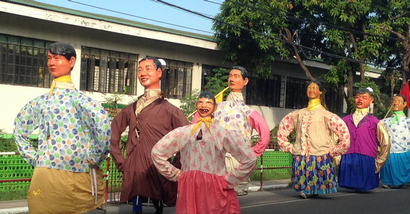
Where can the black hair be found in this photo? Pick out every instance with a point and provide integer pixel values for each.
(317, 82)
(243, 70)
(364, 91)
(208, 95)
(157, 63)
(63, 49)
(402, 96)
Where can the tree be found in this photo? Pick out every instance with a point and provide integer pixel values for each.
(218, 81)
(394, 18)
(188, 104)
(337, 32)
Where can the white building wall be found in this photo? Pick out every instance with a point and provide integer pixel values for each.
(43, 24)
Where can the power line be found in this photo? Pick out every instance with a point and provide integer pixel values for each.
(309, 20)
(127, 14)
(292, 43)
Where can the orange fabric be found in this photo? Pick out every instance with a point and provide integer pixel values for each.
(59, 191)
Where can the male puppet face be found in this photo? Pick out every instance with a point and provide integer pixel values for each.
(147, 74)
(313, 91)
(363, 100)
(398, 104)
(236, 81)
(205, 107)
(59, 65)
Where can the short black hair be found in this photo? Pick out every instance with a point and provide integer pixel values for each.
(157, 63)
(364, 91)
(317, 82)
(243, 70)
(208, 95)
(402, 96)
(63, 49)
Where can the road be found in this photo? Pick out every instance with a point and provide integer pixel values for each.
(377, 201)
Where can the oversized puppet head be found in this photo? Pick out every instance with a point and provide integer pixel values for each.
(399, 103)
(238, 78)
(363, 98)
(206, 104)
(150, 72)
(314, 89)
(60, 59)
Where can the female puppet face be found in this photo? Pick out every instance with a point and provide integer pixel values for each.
(363, 100)
(313, 91)
(398, 104)
(205, 106)
(236, 81)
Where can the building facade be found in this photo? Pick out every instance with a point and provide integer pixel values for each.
(108, 51)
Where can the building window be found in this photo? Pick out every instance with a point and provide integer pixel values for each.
(23, 61)
(108, 71)
(208, 71)
(264, 92)
(176, 80)
(296, 97)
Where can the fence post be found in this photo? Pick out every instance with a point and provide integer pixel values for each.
(260, 188)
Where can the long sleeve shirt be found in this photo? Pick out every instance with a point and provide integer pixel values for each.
(74, 130)
(234, 114)
(365, 137)
(314, 131)
(203, 179)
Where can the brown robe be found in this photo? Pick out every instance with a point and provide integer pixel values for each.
(140, 177)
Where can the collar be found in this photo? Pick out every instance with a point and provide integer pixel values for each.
(314, 104)
(59, 80)
(206, 120)
(362, 111)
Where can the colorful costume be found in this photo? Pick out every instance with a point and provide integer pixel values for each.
(73, 141)
(203, 183)
(396, 171)
(155, 119)
(313, 168)
(360, 165)
(234, 114)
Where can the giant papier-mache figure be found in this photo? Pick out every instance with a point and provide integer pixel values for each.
(313, 169)
(396, 171)
(234, 114)
(359, 167)
(203, 182)
(73, 140)
(149, 119)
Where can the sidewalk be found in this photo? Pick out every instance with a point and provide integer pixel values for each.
(20, 206)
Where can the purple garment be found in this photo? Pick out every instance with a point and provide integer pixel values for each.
(363, 138)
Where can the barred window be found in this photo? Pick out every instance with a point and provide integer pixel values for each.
(207, 72)
(265, 92)
(108, 71)
(296, 97)
(23, 61)
(176, 80)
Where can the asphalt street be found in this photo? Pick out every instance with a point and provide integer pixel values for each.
(286, 200)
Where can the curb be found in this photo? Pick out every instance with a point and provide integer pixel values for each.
(276, 186)
(14, 210)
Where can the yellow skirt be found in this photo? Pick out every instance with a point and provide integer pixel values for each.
(59, 191)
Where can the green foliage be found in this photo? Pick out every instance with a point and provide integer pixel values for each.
(188, 104)
(218, 81)
(379, 103)
(249, 33)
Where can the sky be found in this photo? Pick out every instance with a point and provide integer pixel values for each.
(151, 12)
